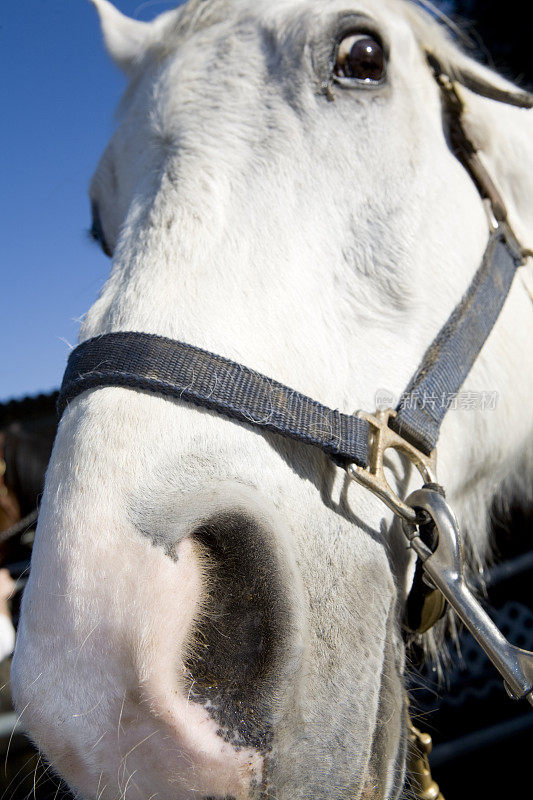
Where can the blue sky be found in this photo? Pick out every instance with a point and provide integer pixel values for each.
(58, 94)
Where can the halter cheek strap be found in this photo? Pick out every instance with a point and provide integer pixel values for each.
(452, 354)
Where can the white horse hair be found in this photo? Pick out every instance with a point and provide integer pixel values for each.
(216, 613)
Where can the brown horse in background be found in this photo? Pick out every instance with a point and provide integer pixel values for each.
(27, 431)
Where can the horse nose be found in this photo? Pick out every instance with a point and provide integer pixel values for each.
(247, 628)
(196, 640)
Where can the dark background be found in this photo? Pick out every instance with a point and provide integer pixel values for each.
(502, 31)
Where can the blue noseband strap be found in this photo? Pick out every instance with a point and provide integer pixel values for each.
(168, 367)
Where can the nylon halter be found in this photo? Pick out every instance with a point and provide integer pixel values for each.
(165, 366)
(356, 442)
(184, 372)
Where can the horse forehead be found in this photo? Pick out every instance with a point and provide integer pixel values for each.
(261, 56)
(242, 44)
(306, 16)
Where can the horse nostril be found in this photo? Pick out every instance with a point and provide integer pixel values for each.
(237, 646)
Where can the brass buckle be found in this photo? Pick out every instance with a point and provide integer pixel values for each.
(381, 438)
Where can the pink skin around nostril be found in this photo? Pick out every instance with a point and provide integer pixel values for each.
(136, 731)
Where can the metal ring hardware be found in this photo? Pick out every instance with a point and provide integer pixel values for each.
(382, 437)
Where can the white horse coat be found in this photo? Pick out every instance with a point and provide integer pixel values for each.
(214, 613)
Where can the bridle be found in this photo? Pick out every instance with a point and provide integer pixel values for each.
(358, 442)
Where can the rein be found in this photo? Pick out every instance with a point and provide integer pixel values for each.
(358, 442)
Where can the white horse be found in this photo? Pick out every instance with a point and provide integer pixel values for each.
(212, 612)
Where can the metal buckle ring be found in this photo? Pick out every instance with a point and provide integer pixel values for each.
(381, 438)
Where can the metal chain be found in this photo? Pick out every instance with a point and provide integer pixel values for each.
(419, 748)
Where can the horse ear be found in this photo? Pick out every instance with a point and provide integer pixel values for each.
(488, 84)
(126, 39)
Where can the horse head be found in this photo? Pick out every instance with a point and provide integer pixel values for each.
(214, 612)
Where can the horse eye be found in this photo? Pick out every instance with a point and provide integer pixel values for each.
(360, 57)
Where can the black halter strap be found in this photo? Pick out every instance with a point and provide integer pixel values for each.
(174, 369)
(451, 355)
